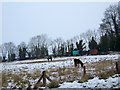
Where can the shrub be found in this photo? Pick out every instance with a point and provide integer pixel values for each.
(85, 78)
(53, 84)
(107, 74)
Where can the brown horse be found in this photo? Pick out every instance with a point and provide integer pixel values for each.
(77, 62)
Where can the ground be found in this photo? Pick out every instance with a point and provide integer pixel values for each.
(100, 72)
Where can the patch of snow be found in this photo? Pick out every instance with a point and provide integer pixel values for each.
(111, 82)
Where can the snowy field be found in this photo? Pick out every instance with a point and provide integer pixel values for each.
(111, 82)
(16, 66)
(30, 66)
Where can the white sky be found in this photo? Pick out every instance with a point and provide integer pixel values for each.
(22, 20)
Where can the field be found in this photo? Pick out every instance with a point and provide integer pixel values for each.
(61, 71)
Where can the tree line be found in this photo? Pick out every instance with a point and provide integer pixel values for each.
(105, 38)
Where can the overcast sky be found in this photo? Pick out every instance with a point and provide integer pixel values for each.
(21, 21)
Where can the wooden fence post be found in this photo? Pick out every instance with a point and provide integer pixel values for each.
(44, 76)
(116, 66)
(84, 70)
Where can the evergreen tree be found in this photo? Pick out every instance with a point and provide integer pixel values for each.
(104, 43)
(111, 26)
(71, 49)
(54, 51)
(9, 57)
(81, 45)
(12, 57)
(93, 44)
(22, 53)
(62, 50)
(77, 45)
(112, 41)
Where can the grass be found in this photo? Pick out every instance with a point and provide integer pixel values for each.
(38, 85)
(105, 75)
(102, 69)
(84, 78)
(18, 78)
(36, 74)
(63, 74)
(4, 79)
(0, 79)
(53, 84)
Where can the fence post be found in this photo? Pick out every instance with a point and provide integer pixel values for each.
(84, 70)
(44, 78)
(117, 67)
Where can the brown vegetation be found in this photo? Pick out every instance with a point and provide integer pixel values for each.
(102, 69)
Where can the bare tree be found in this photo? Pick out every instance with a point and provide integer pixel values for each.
(57, 45)
(111, 26)
(111, 18)
(8, 50)
(22, 47)
(38, 46)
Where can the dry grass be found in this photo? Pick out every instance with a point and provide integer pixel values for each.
(37, 73)
(104, 64)
(0, 79)
(53, 84)
(105, 75)
(101, 65)
(18, 78)
(4, 79)
(102, 69)
(84, 78)
(40, 84)
(8, 77)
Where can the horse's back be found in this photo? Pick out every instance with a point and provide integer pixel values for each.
(78, 61)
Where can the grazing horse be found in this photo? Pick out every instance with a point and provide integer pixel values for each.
(49, 57)
(77, 62)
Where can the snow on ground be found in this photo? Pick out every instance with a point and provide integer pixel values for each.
(17, 66)
(33, 66)
(99, 58)
(84, 58)
(111, 82)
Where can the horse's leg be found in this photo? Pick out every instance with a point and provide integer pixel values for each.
(75, 64)
(78, 65)
(82, 64)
